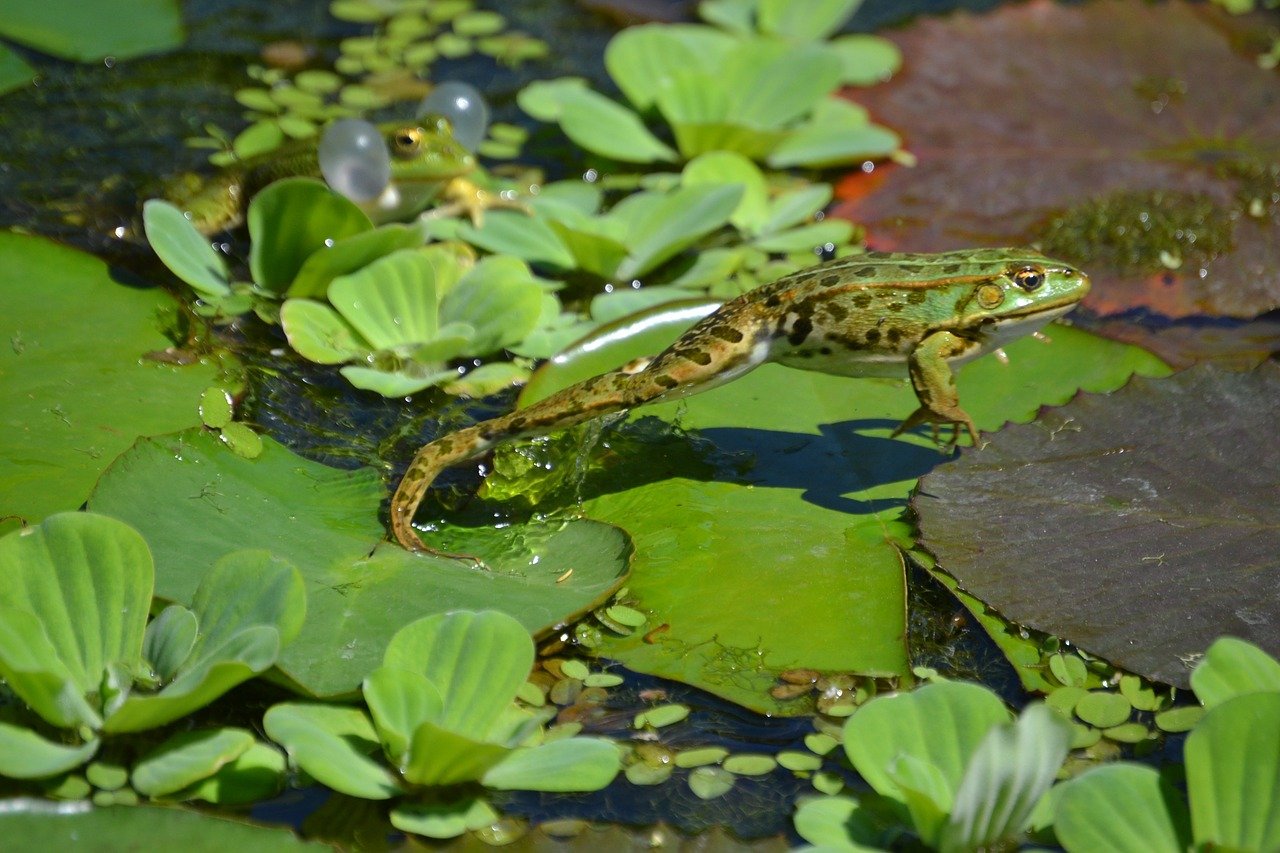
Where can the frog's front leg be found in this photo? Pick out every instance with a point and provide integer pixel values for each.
(466, 196)
(935, 384)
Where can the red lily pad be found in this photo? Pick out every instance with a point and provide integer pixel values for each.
(1140, 525)
(1131, 138)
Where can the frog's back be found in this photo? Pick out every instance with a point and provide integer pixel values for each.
(862, 315)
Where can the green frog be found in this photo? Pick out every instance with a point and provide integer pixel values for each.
(875, 314)
(426, 163)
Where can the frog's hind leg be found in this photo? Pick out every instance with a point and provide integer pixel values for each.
(721, 347)
(601, 395)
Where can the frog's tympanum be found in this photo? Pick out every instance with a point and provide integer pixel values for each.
(876, 314)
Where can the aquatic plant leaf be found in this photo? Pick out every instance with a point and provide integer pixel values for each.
(397, 383)
(1011, 770)
(441, 756)
(941, 724)
(14, 72)
(836, 823)
(185, 251)
(26, 755)
(727, 167)
(867, 59)
(1122, 499)
(169, 639)
(320, 334)
(62, 423)
(348, 255)
(186, 758)
(837, 132)
(68, 29)
(571, 764)
(87, 579)
(1122, 808)
(644, 60)
(196, 501)
(443, 819)
(1173, 132)
(292, 219)
(498, 299)
(1233, 774)
(143, 826)
(256, 774)
(775, 83)
(34, 671)
(332, 743)
(804, 22)
(593, 121)
(532, 239)
(1231, 667)
(246, 607)
(391, 302)
(246, 654)
(399, 700)
(678, 221)
(789, 480)
(476, 661)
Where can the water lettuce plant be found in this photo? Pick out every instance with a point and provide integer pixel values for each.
(398, 322)
(721, 225)
(760, 82)
(76, 647)
(442, 713)
(1232, 760)
(302, 235)
(947, 757)
(961, 778)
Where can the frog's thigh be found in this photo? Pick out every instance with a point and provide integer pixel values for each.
(931, 375)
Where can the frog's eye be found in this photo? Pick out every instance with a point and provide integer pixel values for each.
(1029, 278)
(406, 141)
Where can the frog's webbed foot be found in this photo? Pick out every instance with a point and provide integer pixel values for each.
(957, 418)
(465, 196)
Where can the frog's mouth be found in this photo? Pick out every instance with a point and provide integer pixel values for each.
(1001, 330)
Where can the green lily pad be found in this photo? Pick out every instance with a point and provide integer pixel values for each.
(141, 827)
(194, 501)
(14, 72)
(1120, 518)
(62, 421)
(69, 29)
(745, 536)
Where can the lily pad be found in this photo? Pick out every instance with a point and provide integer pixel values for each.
(41, 826)
(194, 500)
(74, 390)
(770, 539)
(73, 30)
(1125, 100)
(1141, 525)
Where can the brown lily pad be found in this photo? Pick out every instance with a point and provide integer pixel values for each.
(1131, 138)
(1140, 525)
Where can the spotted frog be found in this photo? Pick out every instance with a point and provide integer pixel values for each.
(875, 314)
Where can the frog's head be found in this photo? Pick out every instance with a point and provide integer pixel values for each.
(1023, 293)
(426, 152)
